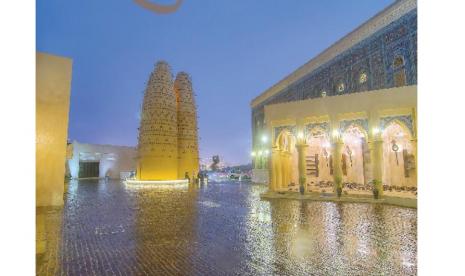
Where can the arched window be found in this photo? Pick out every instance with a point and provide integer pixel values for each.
(398, 61)
(340, 87)
(399, 71)
(363, 78)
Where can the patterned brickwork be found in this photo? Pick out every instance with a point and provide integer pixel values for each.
(158, 127)
(188, 150)
(224, 229)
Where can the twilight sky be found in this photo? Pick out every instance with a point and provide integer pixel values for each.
(233, 50)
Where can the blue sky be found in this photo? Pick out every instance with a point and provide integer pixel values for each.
(233, 50)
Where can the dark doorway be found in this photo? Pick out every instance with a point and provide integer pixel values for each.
(88, 169)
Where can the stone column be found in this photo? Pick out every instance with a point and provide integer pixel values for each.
(284, 169)
(278, 170)
(301, 162)
(415, 154)
(376, 152)
(273, 169)
(337, 166)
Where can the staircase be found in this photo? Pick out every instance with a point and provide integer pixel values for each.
(312, 165)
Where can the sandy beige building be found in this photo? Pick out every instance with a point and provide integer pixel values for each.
(100, 161)
(53, 86)
(168, 140)
(347, 118)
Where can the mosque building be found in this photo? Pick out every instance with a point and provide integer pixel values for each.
(168, 143)
(346, 118)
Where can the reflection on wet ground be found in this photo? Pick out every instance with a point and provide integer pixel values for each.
(224, 229)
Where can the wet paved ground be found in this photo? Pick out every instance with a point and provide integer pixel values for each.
(223, 229)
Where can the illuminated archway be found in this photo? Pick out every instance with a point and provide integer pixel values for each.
(398, 156)
(288, 160)
(354, 154)
(285, 141)
(317, 155)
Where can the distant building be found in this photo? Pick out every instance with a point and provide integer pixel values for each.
(349, 114)
(99, 161)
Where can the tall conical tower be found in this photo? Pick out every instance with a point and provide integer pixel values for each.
(158, 144)
(188, 149)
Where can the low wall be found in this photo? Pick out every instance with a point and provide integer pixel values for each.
(390, 200)
(260, 176)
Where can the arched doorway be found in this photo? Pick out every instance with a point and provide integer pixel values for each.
(398, 156)
(355, 152)
(318, 158)
(287, 174)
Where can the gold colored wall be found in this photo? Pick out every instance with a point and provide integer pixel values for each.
(158, 144)
(369, 102)
(53, 84)
(370, 106)
(188, 151)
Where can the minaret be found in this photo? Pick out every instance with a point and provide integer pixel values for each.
(188, 149)
(158, 139)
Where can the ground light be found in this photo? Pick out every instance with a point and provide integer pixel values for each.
(133, 183)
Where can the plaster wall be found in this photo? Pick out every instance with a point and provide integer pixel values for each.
(53, 85)
(112, 159)
(315, 146)
(354, 164)
(393, 169)
(368, 102)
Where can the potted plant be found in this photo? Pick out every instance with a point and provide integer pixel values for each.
(301, 186)
(338, 184)
(376, 184)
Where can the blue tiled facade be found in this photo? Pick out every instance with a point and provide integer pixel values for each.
(388, 58)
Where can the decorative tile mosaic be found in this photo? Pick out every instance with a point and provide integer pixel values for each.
(407, 120)
(311, 126)
(278, 130)
(345, 124)
(373, 56)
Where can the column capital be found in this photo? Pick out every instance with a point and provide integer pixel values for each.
(374, 140)
(275, 149)
(301, 145)
(337, 141)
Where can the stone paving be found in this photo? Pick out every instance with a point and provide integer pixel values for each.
(223, 229)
